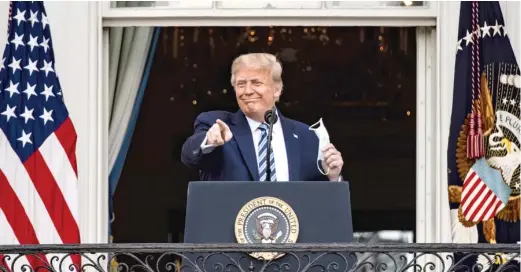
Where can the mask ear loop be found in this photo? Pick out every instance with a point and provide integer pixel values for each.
(320, 169)
(314, 127)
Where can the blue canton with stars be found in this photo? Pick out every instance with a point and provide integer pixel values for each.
(31, 103)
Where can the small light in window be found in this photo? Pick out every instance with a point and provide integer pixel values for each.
(407, 3)
(408, 113)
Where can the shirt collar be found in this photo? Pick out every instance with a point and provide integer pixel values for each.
(254, 125)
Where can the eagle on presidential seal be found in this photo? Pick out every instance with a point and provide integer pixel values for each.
(267, 230)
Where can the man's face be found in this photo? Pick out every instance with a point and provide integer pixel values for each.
(255, 92)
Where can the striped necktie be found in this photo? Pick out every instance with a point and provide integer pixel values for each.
(263, 148)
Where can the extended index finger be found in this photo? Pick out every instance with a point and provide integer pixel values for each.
(222, 125)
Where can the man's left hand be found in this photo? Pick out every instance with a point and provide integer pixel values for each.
(332, 161)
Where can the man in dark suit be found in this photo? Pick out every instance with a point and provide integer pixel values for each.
(232, 146)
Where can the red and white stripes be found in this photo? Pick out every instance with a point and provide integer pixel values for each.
(39, 198)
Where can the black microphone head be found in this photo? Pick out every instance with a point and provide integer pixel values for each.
(270, 117)
(267, 116)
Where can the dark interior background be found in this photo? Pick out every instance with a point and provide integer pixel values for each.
(361, 81)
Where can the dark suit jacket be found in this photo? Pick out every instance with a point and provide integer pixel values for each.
(236, 159)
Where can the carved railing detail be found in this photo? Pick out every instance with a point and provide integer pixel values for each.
(234, 257)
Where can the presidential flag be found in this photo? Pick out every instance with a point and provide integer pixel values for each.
(38, 172)
(483, 154)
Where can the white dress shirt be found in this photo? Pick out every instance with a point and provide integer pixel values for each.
(278, 145)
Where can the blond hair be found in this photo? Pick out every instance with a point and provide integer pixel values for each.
(261, 61)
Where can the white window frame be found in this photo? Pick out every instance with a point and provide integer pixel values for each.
(167, 16)
(428, 150)
(426, 132)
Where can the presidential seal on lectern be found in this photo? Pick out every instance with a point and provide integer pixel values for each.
(266, 220)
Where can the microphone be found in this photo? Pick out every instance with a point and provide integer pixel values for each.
(270, 117)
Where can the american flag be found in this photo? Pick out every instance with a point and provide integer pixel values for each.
(38, 172)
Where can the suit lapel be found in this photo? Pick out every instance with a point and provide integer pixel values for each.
(242, 135)
(292, 149)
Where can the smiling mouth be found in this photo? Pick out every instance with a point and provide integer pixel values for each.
(251, 99)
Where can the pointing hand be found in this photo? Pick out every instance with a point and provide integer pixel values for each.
(218, 134)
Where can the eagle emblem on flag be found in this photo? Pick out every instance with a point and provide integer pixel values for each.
(484, 159)
(493, 190)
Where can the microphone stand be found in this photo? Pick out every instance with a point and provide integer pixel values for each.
(270, 117)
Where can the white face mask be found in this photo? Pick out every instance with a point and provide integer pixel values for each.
(323, 140)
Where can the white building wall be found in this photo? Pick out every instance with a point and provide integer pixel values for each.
(76, 52)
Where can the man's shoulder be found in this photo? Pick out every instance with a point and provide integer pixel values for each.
(299, 126)
(210, 117)
(296, 124)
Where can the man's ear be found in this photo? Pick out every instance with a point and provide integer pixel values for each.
(277, 94)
